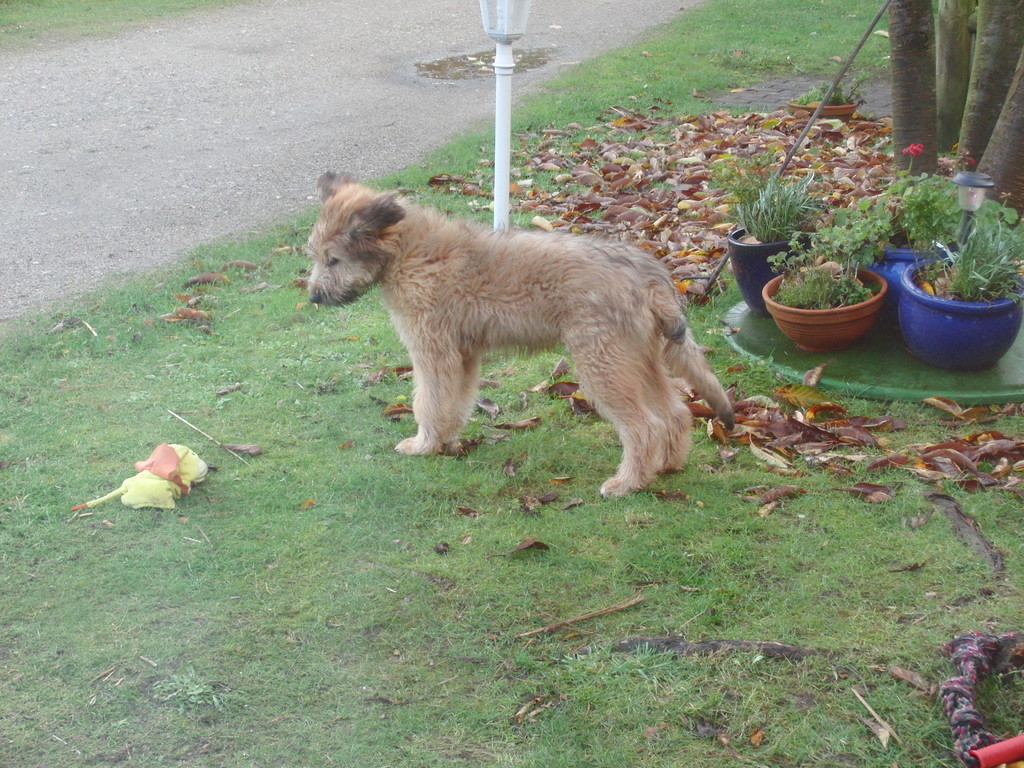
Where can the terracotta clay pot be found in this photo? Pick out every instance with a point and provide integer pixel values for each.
(826, 330)
(828, 112)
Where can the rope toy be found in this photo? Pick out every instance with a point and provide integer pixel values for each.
(975, 655)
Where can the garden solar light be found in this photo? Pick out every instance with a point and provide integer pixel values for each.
(504, 22)
(971, 188)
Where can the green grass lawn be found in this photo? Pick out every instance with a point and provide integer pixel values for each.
(22, 21)
(295, 609)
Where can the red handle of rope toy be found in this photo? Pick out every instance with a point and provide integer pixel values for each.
(1001, 752)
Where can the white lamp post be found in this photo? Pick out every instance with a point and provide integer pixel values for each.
(971, 189)
(504, 22)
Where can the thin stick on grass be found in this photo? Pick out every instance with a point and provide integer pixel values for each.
(203, 533)
(212, 439)
(104, 675)
(884, 725)
(635, 600)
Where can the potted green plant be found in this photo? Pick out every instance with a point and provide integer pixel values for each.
(825, 298)
(923, 211)
(842, 103)
(770, 210)
(963, 312)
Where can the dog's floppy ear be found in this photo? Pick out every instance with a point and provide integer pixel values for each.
(379, 214)
(382, 213)
(329, 182)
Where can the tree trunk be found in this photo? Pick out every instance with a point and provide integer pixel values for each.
(953, 69)
(1000, 39)
(1004, 157)
(912, 46)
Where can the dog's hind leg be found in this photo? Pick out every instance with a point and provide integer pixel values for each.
(664, 396)
(445, 385)
(683, 357)
(612, 377)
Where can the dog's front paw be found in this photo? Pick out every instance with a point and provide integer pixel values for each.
(415, 446)
(616, 486)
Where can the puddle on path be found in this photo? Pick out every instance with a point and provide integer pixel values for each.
(476, 65)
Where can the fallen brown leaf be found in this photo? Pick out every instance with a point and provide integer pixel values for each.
(913, 679)
(522, 546)
(813, 376)
(187, 314)
(396, 411)
(908, 568)
(764, 495)
(955, 410)
(871, 492)
(563, 388)
(207, 278)
(800, 395)
(524, 424)
(228, 389)
(489, 407)
(246, 448)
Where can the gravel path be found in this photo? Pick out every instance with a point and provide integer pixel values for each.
(120, 154)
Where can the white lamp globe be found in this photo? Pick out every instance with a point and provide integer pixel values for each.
(504, 20)
(971, 189)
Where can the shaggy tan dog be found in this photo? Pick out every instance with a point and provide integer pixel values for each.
(456, 291)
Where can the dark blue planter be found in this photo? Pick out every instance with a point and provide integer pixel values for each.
(956, 335)
(892, 267)
(751, 269)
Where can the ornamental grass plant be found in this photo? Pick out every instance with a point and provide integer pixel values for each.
(987, 266)
(768, 207)
(843, 93)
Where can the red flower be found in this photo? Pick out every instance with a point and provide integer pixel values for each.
(914, 150)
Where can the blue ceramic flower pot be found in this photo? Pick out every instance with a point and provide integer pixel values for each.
(751, 269)
(956, 335)
(892, 267)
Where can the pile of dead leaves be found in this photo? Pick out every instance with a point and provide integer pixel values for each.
(647, 177)
(824, 437)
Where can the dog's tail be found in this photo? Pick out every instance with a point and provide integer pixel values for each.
(686, 359)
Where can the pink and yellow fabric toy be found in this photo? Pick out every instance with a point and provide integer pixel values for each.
(168, 474)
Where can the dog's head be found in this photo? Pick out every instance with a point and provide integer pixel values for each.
(350, 240)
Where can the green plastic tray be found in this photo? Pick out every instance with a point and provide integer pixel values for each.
(878, 367)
